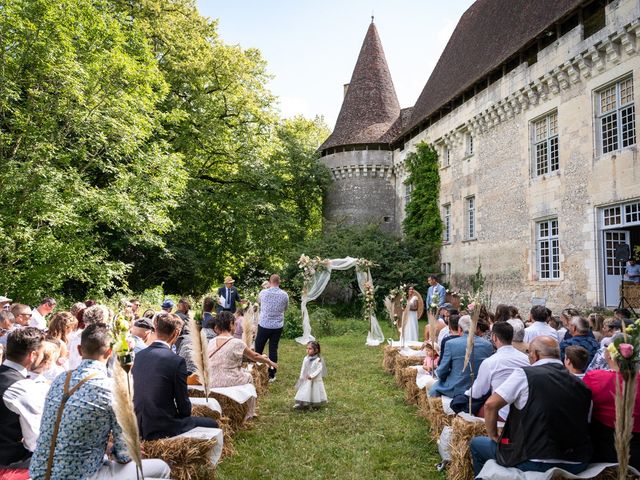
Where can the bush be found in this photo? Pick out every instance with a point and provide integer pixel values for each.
(292, 322)
(322, 322)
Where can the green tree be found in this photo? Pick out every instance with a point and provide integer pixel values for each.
(85, 177)
(422, 224)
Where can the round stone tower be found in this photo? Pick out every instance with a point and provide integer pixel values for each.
(358, 152)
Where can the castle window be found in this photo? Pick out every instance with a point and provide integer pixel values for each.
(408, 188)
(446, 220)
(616, 116)
(469, 142)
(446, 156)
(593, 18)
(545, 144)
(445, 268)
(470, 211)
(548, 250)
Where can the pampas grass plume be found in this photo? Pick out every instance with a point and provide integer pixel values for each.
(125, 415)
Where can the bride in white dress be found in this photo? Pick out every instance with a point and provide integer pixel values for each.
(410, 328)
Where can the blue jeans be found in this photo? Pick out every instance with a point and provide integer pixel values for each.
(483, 449)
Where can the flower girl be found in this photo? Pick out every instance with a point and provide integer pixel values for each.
(310, 387)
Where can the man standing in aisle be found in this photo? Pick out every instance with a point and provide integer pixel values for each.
(435, 289)
(273, 303)
(228, 296)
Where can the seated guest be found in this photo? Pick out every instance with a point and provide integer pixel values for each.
(208, 304)
(542, 397)
(226, 354)
(95, 313)
(19, 426)
(576, 359)
(160, 395)
(142, 332)
(493, 371)
(579, 331)
(239, 318)
(602, 384)
(539, 326)
(452, 380)
(7, 321)
(444, 332)
(518, 335)
(612, 327)
(454, 332)
(88, 423)
(22, 313)
(596, 322)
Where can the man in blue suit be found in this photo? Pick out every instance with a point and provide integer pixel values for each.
(228, 296)
(160, 395)
(452, 380)
(435, 289)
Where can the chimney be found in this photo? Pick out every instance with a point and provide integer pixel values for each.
(345, 87)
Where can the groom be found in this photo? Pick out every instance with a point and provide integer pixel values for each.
(230, 295)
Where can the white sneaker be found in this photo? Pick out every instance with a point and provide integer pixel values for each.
(271, 380)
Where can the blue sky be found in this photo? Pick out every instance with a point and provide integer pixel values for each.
(311, 46)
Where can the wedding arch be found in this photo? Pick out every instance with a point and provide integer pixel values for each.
(317, 272)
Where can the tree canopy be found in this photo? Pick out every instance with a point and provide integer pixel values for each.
(137, 148)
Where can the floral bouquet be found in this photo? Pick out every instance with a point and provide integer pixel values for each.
(311, 266)
(625, 351)
(369, 300)
(362, 264)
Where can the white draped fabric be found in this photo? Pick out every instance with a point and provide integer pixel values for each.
(317, 286)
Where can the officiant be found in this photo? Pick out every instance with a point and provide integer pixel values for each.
(228, 296)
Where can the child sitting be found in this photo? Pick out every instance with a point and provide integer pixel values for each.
(431, 360)
(310, 386)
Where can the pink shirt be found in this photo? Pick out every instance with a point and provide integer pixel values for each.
(602, 384)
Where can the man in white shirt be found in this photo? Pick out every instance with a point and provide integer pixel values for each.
(539, 316)
(499, 366)
(22, 399)
(39, 315)
(547, 425)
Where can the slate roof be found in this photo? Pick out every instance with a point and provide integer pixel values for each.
(370, 108)
(488, 34)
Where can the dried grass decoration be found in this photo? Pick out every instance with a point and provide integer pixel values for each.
(625, 351)
(189, 458)
(461, 467)
(199, 344)
(125, 414)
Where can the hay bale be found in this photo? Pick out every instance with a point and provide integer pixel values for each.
(411, 390)
(195, 393)
(389, 358)
(437, 418)
(402, 363)
(424, 410)
(236, 412)
(461, 467)
(189, 458)
(223, 423)
(610, 473)
(260, 374)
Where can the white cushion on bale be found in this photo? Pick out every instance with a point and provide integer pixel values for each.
(409, 352)
(493, 471)
(399, 344)
(238, 393)
(202, 433)
(423, 378)
(212, 403)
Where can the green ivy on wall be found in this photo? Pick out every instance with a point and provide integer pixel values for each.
(422, 224)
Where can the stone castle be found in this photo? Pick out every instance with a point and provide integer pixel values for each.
(531, 108)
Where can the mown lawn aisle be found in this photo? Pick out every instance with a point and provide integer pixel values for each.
(365, 432)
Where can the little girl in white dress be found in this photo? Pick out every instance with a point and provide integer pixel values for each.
(310, 387)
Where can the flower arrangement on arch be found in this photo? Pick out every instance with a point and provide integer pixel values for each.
(369, 300)
(311, 266)
(362, 264)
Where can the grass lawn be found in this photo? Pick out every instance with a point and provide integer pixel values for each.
(365, 432)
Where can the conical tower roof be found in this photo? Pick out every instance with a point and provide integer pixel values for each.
(370, 107)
